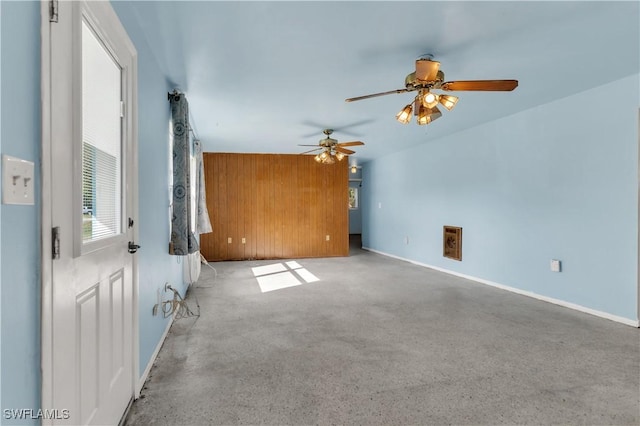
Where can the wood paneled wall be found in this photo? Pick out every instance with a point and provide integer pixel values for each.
(283, 206)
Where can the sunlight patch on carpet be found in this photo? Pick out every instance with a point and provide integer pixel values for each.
(306, 275)
(268, 269)
(278, 276)
(277, 281)
(294, 265)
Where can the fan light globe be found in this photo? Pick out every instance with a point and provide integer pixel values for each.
(339, 156)
(422, 115)
(428, 115)
(404, 116)
(429, 100)
(433, 114)
(448, 101)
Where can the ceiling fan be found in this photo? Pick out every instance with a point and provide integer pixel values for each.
(332, 150)
(427, 77)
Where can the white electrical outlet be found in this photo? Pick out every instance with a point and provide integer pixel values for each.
(17, 181)
(555, 265)
(327, 237)
(229, 240)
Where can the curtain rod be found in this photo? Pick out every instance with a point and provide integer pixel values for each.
(176, 95)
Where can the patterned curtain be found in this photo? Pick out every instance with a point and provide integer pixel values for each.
(203, 224)
(183, 241)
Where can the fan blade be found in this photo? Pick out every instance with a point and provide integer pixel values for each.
(342, 129)
(344, 150)
(312, 150)
(359, 98)
(481, 85)
(427, 70)
(354, 143)
(307, 145)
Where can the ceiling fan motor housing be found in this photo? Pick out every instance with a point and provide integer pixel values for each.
(328, 142)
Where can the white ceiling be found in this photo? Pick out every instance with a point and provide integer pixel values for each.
(264, 76)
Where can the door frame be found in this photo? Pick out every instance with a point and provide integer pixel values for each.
(46, 255)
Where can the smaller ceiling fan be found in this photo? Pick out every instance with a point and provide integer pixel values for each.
(428, 76)
(332, 150)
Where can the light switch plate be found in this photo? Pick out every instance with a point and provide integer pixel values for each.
(17, 181)
(555, 265)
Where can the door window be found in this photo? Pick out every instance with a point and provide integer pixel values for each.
(101, 141)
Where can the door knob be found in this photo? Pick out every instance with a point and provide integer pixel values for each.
(133, 247)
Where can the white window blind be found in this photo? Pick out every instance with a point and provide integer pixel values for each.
(102, 141)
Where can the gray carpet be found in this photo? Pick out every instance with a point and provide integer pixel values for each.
(377, 341)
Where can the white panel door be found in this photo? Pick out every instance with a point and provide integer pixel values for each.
(93, 193)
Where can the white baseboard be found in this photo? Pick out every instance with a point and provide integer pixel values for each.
(558, 302)
(147, 370)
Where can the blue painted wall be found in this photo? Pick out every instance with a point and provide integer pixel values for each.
(156, 266)
(559, 181)
(20, 226)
